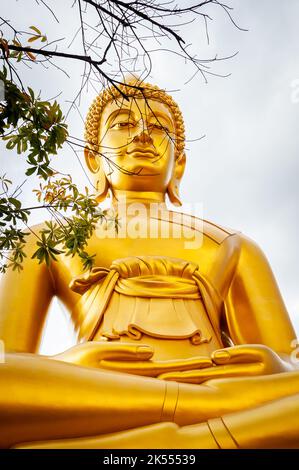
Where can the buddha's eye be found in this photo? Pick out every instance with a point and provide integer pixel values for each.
(158, 127)
(122, 125)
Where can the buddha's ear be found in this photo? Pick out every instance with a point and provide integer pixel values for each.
(93, 163)
(174, 184)
(92, 160)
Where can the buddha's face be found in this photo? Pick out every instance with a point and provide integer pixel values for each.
(137, 139)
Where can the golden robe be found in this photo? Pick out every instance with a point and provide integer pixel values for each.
(159, 297)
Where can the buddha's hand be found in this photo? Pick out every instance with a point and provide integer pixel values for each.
(237, 361)
(153, 368)
(126, 357)
(92, 353)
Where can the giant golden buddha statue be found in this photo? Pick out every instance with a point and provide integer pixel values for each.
(180, 344)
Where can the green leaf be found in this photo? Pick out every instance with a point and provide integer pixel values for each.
(36, 29)
(19, 147)
(30, 171)
(31, 93)
(15, 202)
(33, 38)
(11, 144)
(24, 145)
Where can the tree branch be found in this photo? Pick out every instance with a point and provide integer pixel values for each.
(46, 53)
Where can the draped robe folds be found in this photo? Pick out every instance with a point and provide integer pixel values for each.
(160, 297)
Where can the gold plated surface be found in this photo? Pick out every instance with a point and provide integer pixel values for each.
(184, 340)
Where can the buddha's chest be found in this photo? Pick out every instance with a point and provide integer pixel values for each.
(144, 237)
(134, 240)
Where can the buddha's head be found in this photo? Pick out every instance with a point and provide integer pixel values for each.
(135, 144)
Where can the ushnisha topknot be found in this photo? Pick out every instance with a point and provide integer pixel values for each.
(136, 90)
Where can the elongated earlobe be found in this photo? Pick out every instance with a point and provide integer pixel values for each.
(92, 160)
(93, 163)
(102, 187)
(173, 193)
(173, 187)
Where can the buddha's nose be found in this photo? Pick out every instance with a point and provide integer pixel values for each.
(143, 138)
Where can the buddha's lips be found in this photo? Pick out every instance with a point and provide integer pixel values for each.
(146, 152)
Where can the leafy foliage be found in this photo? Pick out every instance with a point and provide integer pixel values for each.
(73, 217)
(12, 238)
(36, 128)
(76, 217)
(31, 125)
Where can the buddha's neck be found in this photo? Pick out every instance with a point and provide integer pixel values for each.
(143, 197)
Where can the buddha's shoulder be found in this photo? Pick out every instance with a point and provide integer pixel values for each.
(219, 233)
(233, 242)
(230, 244)
(231, 239)
(215, 232)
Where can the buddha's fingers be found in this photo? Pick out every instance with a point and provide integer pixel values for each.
(92, 352)
(217, 372)
(125, 352)
(155, 368)
(250, 353)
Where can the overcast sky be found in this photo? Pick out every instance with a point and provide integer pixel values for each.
(245, 170)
